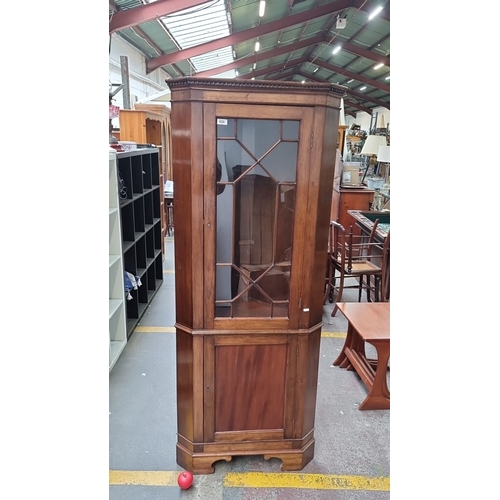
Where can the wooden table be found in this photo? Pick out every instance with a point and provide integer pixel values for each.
(368, 322)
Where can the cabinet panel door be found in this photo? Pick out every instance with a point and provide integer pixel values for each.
(249, 387)
(255, 194)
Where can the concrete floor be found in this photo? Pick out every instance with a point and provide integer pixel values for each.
(352, 451)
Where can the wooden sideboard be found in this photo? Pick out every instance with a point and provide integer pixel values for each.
(344, 199)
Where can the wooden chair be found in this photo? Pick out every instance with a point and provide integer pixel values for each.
(354, 256)
(385, 290)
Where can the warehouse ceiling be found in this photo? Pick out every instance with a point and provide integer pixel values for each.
(335, 41)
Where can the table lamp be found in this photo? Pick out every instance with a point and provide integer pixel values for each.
(370, 148)
(384, 156)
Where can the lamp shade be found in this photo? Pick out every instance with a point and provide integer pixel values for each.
(384, 155)
(372, 143)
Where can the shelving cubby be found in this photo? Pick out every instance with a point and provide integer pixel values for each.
(117, 314)
(140, 208)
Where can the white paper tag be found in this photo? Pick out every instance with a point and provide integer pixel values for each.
(221, 121)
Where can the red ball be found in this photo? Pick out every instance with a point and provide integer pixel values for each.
(185, 480)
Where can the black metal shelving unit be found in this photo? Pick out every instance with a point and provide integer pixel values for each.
(140, 211)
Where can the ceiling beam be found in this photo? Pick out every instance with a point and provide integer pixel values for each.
(148, 12)
(245, 35)
(357, 106)
(365, 97)
(347, 102)
(354, 93)
(350, 74)
(367, 54)
(276, 67)
(262, 56)
(383, 14)
(143, 35)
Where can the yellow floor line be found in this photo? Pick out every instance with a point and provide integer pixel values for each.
(143, 478)
(154, 329)
(305, 481)
(257, 480)
(171, 329)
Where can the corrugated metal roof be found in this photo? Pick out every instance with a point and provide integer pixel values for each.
(296, 40)
(198, 25)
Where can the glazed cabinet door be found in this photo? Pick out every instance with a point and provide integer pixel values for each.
(255, 202)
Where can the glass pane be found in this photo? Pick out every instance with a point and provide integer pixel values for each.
(280, 310)
(281, 162)
(223, 310)
(223, 283)
(252, 304)
(290, 130)
(273, 282)
(225, 127)
(254, 220)
(231, 154)
(258, 136)
(256, 175)
(284, 230)
(224, 225)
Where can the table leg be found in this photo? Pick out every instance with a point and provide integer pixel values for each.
(378, 395)
(342, 358)
(352, 342)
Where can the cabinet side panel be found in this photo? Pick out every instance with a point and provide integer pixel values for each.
(250, 387)
(311, 387)
(181, 163)
(324, 201)
(185, 404)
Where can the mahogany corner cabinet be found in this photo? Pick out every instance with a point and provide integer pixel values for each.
(253, 165)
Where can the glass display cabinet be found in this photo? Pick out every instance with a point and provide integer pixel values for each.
(253, 165)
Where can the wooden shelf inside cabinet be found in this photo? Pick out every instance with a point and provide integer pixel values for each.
(150, 124)
(117, 319)
(252, 181)
(141, 233)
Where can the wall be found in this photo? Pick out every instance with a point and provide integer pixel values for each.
(141, 84)
(363, 119)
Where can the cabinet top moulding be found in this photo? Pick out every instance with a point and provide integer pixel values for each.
(262, 91)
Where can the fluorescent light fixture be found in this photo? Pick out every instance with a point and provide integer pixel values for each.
(378, 66)
(254, 65)
(388, 77)
(237, 74)
(374, 13)
(362, 88)
(262, 7)
(303, 81)
(253, 77)
(336, 49)
(350, 81)
(315, 70)
(257, 46)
